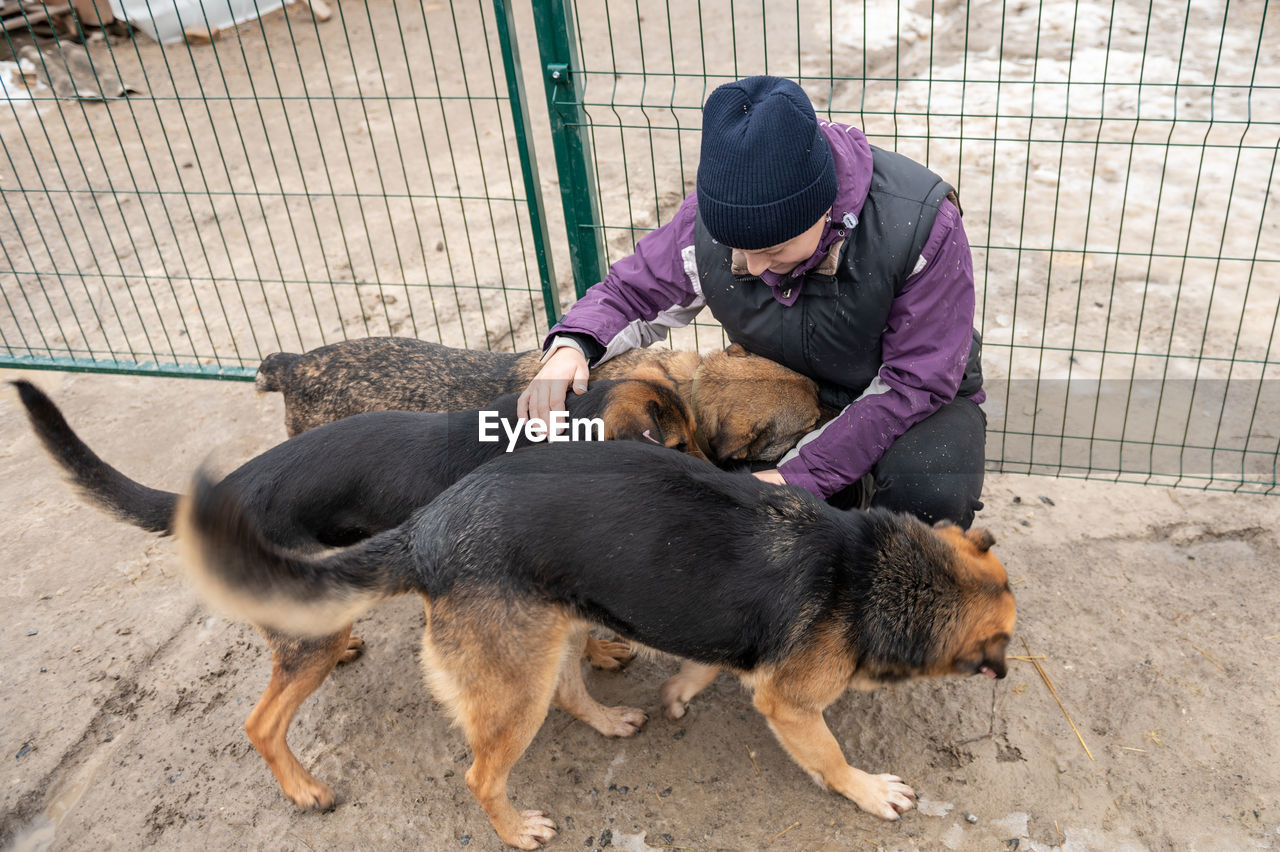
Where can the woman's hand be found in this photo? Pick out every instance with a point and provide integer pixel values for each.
(567, 367)
(770, 476)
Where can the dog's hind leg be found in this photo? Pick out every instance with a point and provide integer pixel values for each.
(496, 666)
(298, 667)
(681, 687)
(572, 697)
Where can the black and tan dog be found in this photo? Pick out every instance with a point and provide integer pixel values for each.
(799, 599)
(747, 408)
(336, 485)
(350, 479)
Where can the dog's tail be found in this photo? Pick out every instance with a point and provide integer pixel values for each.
(271, 369)
(99, 482)
(242, 573)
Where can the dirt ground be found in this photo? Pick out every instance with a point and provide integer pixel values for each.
(1152, 612)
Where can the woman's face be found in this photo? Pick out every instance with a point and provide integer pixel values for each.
(784, 257)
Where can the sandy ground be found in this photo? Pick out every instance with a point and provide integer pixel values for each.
(1152, 611)
(121, 696)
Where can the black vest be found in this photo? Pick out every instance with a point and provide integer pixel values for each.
(832, 332)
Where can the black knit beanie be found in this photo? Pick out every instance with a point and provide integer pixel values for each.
(766, 173)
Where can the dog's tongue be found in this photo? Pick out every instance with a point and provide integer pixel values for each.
(986, 670)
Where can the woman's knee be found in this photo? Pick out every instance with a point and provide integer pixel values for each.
(936, 469)
(932, 498)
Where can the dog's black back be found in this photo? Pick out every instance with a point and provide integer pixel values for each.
(666, 550)
(707, 573)
(330, 486)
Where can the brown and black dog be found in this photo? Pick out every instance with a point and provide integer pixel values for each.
(801, 600)
(750, 409)
(746, 408)
(340, 483)
(406, 374)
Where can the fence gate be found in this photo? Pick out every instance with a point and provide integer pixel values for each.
(295, 182)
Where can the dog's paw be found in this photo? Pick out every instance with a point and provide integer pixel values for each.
(681, 687)
(624, 721)
(608, 655)
(354, 645)
(535, 829)
(885, 796)
(674, 703)
(312, 795)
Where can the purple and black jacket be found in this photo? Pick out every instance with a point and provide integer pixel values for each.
(911, 366)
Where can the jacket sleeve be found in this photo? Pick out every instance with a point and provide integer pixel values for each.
(924, 348)
(645, 294)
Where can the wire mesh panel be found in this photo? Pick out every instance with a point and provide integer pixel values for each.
(1116, 164)
(192, 206)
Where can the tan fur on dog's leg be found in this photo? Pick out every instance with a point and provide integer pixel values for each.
(572, 697)
(805, 735)
(607, 654)
(681, 687)
(298, 667)
(499, 690)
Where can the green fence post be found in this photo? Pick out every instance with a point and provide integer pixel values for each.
(553, 21)
(528, 163)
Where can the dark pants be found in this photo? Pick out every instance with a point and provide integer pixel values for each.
(934, 471)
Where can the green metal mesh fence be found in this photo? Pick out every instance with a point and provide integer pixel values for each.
(1116, 164)
(297, 182)
(288, 184)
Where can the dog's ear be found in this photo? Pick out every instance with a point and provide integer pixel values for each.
(982, 539)
(640, 420)
(674, 427)
(625, 423)
(737, 350)
(653, 408)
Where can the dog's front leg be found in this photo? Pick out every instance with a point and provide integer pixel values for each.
(805, 735)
